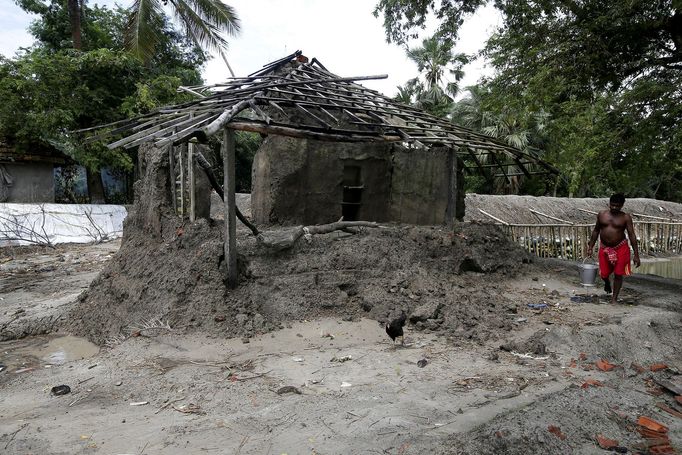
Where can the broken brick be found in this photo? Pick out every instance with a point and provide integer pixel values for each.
(556, 431)
(604, 365)
(583, 356)
(658, 367)
(606, 443)
(572, 364)
(651, 434)
(669, 410)
(663, 449)
(591, 382)
(678, 398)
(651, 424)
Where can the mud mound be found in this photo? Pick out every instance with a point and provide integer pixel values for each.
(170, 272)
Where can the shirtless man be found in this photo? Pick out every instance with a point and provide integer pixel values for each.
(614, 252)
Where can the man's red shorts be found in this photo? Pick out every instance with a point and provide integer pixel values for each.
(622, 265)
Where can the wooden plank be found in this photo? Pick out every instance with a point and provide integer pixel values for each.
(230, 208)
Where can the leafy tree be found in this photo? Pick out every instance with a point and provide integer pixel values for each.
(203, 22)
(52, 89)
(608, 76)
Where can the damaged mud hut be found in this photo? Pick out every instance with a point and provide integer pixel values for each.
(333, 149)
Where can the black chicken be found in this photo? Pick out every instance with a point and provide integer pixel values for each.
(394, 328)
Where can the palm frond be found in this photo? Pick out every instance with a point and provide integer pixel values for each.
(205, 21)
(143, 30)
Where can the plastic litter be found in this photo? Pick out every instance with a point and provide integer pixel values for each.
(537, 306)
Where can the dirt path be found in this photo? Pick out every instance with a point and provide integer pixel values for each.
(213, 395)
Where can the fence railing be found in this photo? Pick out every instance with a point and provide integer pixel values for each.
(569, 241)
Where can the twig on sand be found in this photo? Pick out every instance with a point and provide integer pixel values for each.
(325, 424)
(254, 376)
(239, 449)
(168, 404)
(78, 399)
(14, 434)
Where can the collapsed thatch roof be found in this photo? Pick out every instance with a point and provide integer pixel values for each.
(295, 97)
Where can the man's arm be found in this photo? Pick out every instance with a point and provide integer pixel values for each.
(633, 239)
(593, 238)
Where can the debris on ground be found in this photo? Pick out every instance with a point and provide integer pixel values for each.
(288, 389)
(60, 390)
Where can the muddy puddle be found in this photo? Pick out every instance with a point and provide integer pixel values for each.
(667, 268)
(28, 354)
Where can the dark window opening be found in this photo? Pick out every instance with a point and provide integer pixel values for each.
(352, 192)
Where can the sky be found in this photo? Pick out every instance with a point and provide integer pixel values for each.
(343, 35)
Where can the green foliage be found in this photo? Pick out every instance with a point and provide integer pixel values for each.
(203, 21)
(246, 146)
(403, 19)
(102, 27)
(602, 79)
(51, 90)
(440, 72)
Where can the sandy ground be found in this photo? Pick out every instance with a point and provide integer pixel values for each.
(329, 386)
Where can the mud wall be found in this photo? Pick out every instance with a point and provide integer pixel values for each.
(31, 182)
(302, 181)
(306, 181)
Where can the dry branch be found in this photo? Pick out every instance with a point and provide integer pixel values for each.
(287, 238)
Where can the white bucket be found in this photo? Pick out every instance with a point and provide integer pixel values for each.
(588, 273)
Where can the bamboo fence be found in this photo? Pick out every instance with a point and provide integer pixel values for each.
(569, 241)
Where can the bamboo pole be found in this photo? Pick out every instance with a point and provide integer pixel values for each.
(192, 182)
(549, 216)
(230, 208)
(493, 217)
(173, 178)
(182, 180)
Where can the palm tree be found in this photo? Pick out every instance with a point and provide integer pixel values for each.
(522, 130)
(435, 58)
(202, 21)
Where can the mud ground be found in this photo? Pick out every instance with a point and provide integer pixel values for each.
(205, 393)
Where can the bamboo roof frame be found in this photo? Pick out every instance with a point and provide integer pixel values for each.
(299, 98)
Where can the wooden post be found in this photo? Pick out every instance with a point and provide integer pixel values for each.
(230, 208)
(190, 178)
(451, 210)
(173, 178)
(181, 163)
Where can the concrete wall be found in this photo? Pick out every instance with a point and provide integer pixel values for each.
(302, 181)
(31, 182)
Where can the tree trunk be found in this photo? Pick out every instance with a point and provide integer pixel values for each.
(95, 187)
(75, 19)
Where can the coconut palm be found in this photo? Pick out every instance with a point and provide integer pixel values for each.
(203, 21)
(435, 60)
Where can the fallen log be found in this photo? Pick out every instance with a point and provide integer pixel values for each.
(284, 239)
